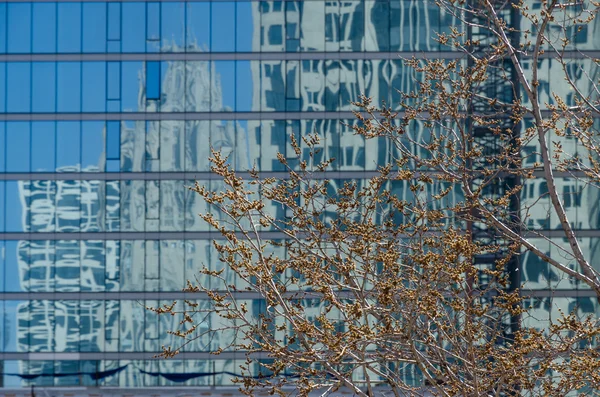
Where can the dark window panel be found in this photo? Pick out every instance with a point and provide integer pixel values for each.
(113, 139)
(69, 27)
(153, 80)
(94, 27)
(18, 25)
(44, 27)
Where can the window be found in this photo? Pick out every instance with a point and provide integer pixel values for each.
(152, 80)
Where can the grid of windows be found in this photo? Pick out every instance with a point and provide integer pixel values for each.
(107, 110)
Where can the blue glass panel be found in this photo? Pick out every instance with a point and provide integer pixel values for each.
(2, 87)
(14, 211)
(94, 27)
(113, 86)
(198, 27)
(172, 26)
(43, 147)
(245, 86)
(2, 31)
(19, 27)
(17, 146)
(92, 145)
(320, 25)
(43, 95)
(352, 25)
(11, 321)
(2, 228)
(113, 140)
(44, 27)
(293, 19)
(113, 46)
(223, 26)
(244, 27)
(152, 26)
(224, 82)
(134, 27)
(69, 87)
(130, 87)
(114, 21)
(2, 268)
(68, 144)
(377, 18)
(2, 147)
(18, 92)
(113, 166)
(197, 91)
(152, 80)
(94, 87)
(172, 81)
(69, 27)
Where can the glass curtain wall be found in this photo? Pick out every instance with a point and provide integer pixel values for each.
(106, 108)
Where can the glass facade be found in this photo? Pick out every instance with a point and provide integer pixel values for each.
(107, 112)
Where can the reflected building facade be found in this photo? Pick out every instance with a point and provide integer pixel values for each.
(97, 221)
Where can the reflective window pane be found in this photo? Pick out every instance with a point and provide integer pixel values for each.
(93, 90)
(172, 24)
(3, 31)
(18, 87)
(44, 27)
(94, 27)
(18, 26)
(69, 87)
(198, 26)
(18, 141)
(43, 155)
(68, 146)
(69, 27)
(133, 27)
(43, 95)
(223, 26)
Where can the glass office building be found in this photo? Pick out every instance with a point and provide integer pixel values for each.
(107, 112)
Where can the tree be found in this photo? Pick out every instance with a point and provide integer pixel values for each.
(410, 280)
